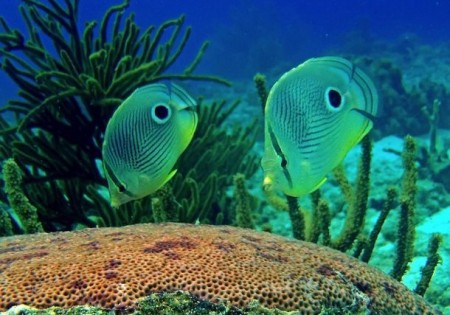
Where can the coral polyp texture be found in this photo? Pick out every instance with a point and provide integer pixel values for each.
(115, 268)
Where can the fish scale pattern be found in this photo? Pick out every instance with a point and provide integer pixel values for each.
(115, 267)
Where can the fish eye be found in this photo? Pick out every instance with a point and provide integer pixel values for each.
(333, 99)
(161, 113)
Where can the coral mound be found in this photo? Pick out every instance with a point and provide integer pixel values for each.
(115, 267)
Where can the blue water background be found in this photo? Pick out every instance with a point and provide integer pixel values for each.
(250, 36)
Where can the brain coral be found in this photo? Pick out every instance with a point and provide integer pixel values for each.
(115, 267)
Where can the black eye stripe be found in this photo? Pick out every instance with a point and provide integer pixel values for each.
(113, 176)
(280, 153)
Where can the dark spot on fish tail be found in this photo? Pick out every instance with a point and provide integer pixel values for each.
(283, 163)
(334, 98)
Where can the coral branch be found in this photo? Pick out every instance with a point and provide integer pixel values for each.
(406, 228)
(17, 199)
(243, 203)
(433, 260)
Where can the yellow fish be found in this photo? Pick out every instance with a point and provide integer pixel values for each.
(144, 139)
(315, 113)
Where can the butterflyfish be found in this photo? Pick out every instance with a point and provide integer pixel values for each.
(144, 139)
(314, 114)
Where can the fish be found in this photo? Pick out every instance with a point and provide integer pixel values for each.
(314, 114)
(144, 139)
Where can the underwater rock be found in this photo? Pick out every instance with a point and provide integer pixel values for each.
(115, 268)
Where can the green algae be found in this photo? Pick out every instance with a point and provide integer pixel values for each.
(177, 303)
